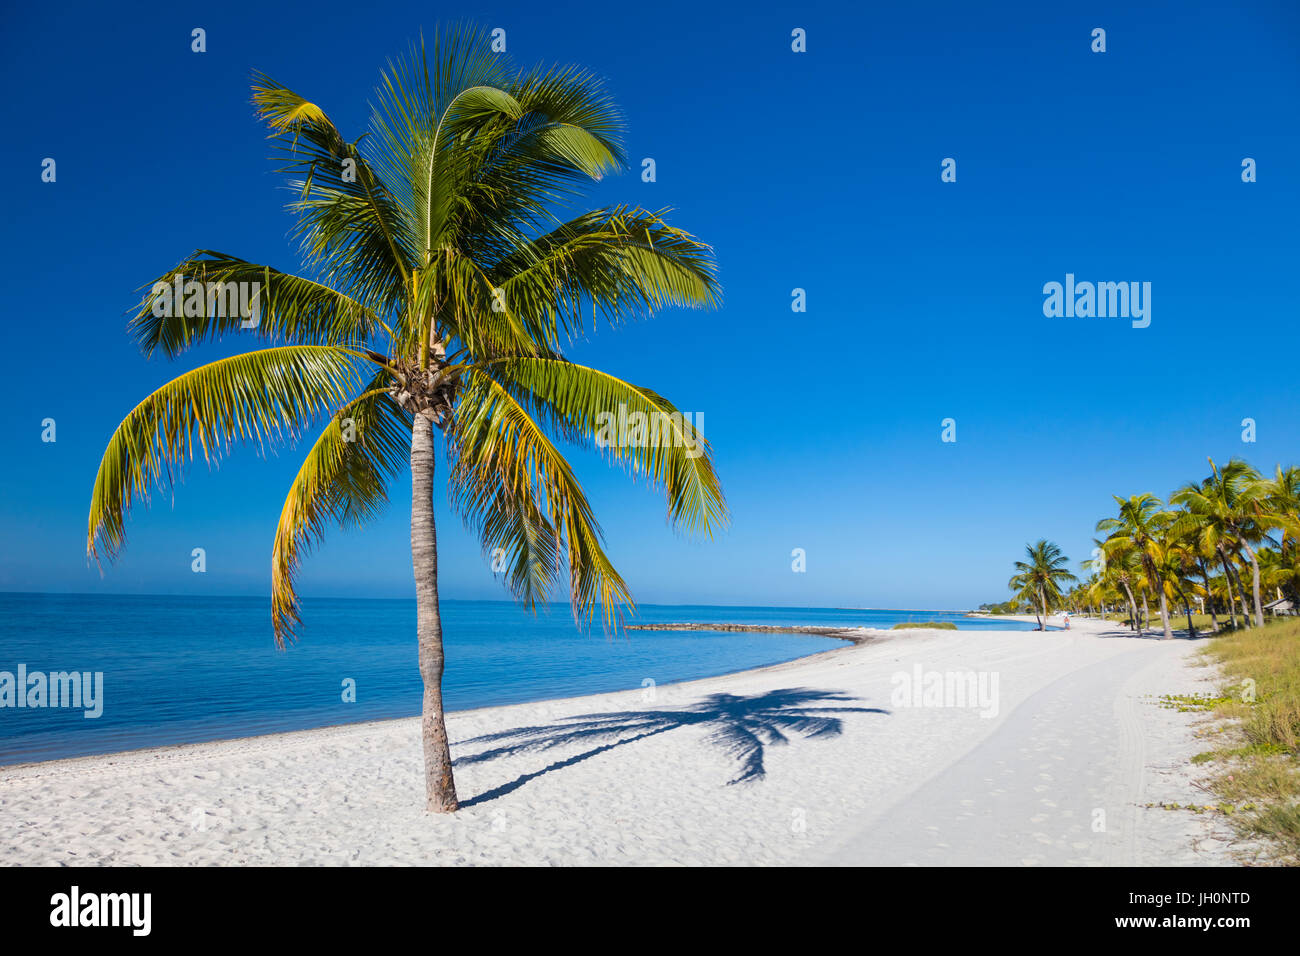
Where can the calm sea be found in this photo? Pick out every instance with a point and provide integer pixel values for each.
(186, 669)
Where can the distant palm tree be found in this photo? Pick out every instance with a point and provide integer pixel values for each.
(1140, 526)
(1110, 581)
(1104, 592)
(1039, 578)
(440, 286)
(1092, 592)
(1174, 568)
(1277, 575)
(1126, 565)
(1194, 556)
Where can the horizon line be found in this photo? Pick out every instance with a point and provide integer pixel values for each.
(267, 597)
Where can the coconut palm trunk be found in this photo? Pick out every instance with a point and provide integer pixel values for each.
(1235, 576)
(1187, 609)
(1168, 634)
(1209, 595)
(1132, 608)
(1254, 571)
(440, 788)
(1227, 588)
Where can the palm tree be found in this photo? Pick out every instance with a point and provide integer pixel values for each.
(1105, 593)
(1139, 527)
(1091, 594)
(1126, 565)
(1191, 545)
(1228, 510)
(1038, 579)
(1282, 493)
(1204, 520)
(1279, 497)
(439, 287)
(1111, 578)
(1176, 563)
(1276, 573)
(1077, 598)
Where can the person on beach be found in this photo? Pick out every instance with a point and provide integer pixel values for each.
(1065, 616)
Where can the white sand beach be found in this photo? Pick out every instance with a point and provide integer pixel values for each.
(830, 770)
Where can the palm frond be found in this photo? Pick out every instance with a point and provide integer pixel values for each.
(660, 443)
(505, 474)
(349, 224)
(267, 396)
(289, 308)
(343, 480)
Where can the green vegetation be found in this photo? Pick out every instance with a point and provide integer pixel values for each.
(1266, 664)
(1263, 699)
(1192, 702)
(1006, 607)
(936, 625)
(1209, 560)
(1039, 578)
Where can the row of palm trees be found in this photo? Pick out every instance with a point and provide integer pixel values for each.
(1221, 544)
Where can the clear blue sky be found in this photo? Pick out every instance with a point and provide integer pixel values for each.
(817, 170)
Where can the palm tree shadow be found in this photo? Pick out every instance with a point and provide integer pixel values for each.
(742, 726)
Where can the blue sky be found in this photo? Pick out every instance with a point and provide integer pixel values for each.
(818, 170)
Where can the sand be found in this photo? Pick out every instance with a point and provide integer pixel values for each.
(817, 761)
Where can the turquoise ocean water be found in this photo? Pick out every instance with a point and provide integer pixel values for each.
(186, 669)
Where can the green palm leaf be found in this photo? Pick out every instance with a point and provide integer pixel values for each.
(343, 480)
(262, 397)
(586, 405)
(620, 262)
(506, 475)
(349, 224)
(289, 308)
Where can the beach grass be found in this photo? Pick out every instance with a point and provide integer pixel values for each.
(928, 625)
(1177, 621)
(1261, 777)
(1202, 622)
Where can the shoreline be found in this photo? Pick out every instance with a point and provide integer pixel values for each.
(641, 776)
(850, 635)
(287, 737)
(224, 706)
(158, 749)
(855, 635)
